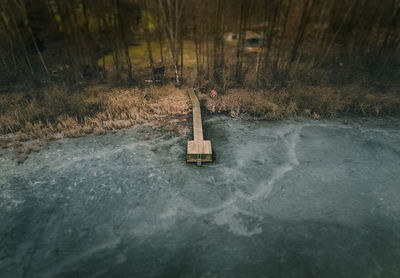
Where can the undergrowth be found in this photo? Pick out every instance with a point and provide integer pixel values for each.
(305, 101)
(94, 110)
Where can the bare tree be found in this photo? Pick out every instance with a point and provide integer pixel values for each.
(305, 17)
(243, 24)
(147, 34)
(171, 11)
(123, 39)
(21, 5)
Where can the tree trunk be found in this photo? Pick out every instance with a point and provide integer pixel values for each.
(160, 39)
(124, 42)
(282, 35)
(21, 40)
(307, 9)
(244, 11)
(171, 11)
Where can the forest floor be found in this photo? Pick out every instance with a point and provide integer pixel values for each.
(98, 109)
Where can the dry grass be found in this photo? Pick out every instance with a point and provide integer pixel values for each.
(22, 150)
(139, 55)
(99, 109)
(312, 101)
(116, 109)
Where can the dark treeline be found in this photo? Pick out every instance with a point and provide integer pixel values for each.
(67, 41)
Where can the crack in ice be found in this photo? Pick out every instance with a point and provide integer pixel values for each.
(225, 213)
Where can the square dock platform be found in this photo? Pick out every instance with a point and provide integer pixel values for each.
(199, 150)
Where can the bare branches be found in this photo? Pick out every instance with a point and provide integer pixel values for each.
(172, 11)
(234, 41)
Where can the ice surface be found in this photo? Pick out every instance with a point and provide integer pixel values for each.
(282, 199)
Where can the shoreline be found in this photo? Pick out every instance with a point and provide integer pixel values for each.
(24, 145)
(124, 108)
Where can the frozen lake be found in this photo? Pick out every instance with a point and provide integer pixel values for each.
(283, 199)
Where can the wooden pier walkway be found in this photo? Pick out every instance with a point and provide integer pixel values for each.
(198, 150)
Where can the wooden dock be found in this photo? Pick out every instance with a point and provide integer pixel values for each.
(198, 150)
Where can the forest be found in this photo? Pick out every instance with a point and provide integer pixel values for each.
(48, 46)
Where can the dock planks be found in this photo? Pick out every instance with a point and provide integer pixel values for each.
(198, 150)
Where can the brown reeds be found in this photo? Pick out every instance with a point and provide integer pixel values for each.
(116, 109)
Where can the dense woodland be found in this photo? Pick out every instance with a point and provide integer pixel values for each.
(311, 41)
